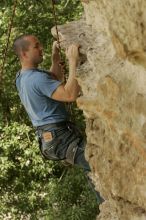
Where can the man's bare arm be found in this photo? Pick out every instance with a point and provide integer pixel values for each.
(69, 92)
(56, 68)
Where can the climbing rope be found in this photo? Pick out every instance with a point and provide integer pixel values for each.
(57, 33)
(3, 94)
(69, 105)
(8, 40)
(56, 27)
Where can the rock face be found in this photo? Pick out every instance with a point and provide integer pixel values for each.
(112, 75)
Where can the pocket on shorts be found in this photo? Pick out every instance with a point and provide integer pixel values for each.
(49, 149)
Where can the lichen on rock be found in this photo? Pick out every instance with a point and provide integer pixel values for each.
(112, 75)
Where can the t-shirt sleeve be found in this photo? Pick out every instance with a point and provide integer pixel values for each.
(46, 85)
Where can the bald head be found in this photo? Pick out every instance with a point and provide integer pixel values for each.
(29, 50)
(21, 43)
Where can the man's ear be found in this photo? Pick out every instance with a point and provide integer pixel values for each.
(22, 54)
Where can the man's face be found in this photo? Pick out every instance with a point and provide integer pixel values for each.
(34, 54)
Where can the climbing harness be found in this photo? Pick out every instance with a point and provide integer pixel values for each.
(8, 40)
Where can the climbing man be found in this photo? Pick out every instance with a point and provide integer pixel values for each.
(43, 94)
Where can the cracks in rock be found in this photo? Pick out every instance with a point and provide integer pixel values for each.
(135, 207)
(82, 59)
(140, 210)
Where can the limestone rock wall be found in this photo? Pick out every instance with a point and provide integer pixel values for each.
(112, 75)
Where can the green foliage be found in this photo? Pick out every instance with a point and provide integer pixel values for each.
(33, 17)
(30, 187)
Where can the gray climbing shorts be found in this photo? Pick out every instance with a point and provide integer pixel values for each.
(61, 143)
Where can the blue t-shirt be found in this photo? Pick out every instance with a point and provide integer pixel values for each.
(35, 89)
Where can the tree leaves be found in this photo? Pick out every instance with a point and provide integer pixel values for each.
(31, 188)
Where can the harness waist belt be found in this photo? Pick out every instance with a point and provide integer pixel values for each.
(52, 125)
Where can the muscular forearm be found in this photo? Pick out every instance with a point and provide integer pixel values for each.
(69, 92)
(72, 86)
(56, 67)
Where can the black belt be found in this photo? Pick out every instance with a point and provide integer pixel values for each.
(52, 125)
